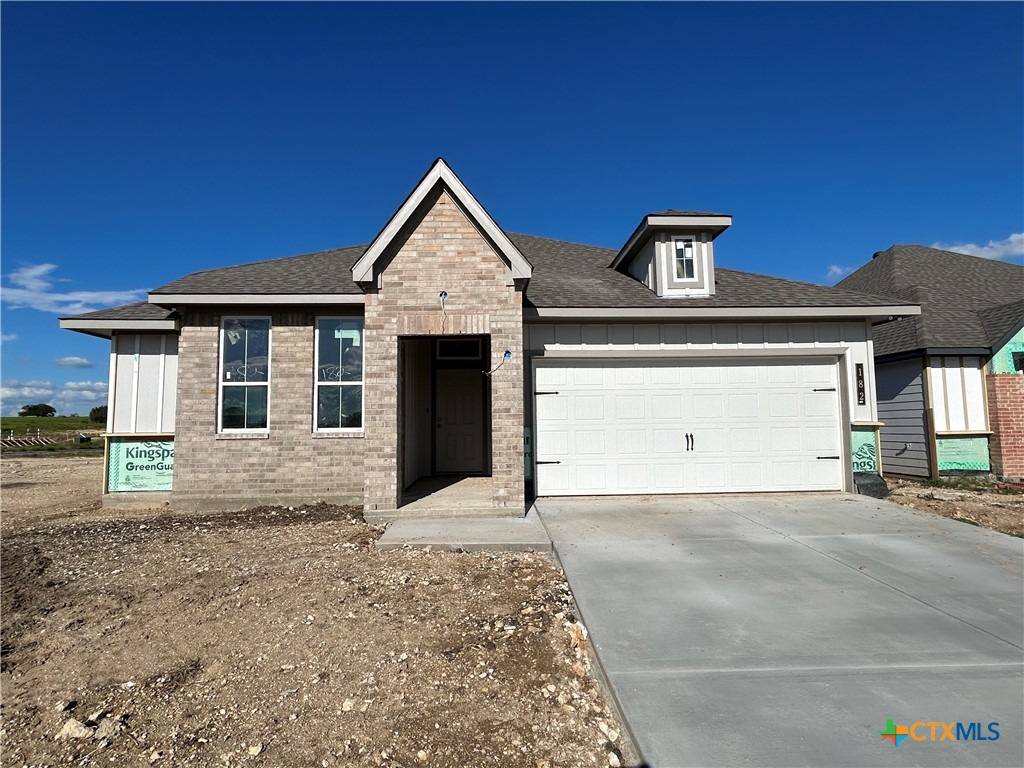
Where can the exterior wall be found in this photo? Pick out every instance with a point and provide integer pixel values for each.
(717, 339)
(642, 267)
(1002, 359)
(443, 252)
(957, 394)
(143, 374)
(288, 465)
(704, 265)
(901, 409)
(1006, 411)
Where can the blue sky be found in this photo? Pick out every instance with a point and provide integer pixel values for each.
(142, 141)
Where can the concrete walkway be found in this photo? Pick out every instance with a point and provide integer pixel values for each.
(501, 534)
(785, 630)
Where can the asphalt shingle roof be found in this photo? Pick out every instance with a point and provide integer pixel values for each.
(564, 275)
(966, 301)
(138, 311)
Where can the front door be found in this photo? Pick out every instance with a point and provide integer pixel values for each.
(460, 421)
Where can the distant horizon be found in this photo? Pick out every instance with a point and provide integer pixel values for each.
(142, 142)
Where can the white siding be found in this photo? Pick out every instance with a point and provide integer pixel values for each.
(691, 339)
(958, 394)
(144, 383)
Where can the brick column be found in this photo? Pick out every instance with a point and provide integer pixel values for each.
(1006, 418)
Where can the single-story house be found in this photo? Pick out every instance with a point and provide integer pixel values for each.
(448, 347)
(950, 389)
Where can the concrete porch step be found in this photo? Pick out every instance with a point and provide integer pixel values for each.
(496, 534)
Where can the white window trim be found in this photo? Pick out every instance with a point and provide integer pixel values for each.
(693, 257)
(220, 376)
(317, 383)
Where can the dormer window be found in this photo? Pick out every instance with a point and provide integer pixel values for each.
(686, 270)
(673, 252)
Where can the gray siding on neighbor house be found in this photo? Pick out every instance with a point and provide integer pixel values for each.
(901, 409)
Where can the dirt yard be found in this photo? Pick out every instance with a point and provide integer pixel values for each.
(277, 637)
(984, 504)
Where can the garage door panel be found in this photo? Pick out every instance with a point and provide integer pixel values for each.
(670, 477)
(590, 442)
(630, 408)
(709, 406)
(745, 440)
(632, 476)
(589, 407)
(631, 442)
(666, 406)
(620, 427)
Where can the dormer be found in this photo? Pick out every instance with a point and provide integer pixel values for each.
(672, 252)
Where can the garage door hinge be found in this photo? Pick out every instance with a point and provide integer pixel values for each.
(545, 393)
(549, 462)
(825, 389)
(830, 457)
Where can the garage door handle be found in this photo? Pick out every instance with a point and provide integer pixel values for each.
(830, 457)
(545, 393)
(557, 462)
(824, 389)
(689, 441)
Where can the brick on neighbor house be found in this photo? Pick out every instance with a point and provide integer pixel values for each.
(1006, 417)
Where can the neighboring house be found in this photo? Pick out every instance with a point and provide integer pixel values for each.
(950, 393)
(448, 347)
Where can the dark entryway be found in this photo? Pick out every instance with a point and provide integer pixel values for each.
(444, 397)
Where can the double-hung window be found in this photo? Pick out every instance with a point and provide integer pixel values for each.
(244, 374)
(339, 374)
(682, 250)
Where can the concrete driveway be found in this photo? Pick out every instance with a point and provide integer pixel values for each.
(785, 630)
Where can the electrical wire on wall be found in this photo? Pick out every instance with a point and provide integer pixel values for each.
(504, 358)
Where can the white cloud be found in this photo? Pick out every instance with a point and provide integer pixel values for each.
(74, 362)
(25, 393)
(5, 337)
(836, 272)
(32, 286)
(69, 397)
(1010, 248)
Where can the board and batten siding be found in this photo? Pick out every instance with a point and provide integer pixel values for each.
(143, 383)
(957, 394)
(693, 340)
(901, 409)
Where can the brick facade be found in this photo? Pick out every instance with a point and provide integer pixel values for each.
(443, 251)
(1006, 419)
(291, 465)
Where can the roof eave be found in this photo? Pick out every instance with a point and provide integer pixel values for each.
(717, 313)
(106, 328)
(185, 299)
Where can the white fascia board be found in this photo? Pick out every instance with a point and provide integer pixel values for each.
(174, 299)
(554, 353)
(690, 221)
(105, 328)
(362, 270)
(652, 313)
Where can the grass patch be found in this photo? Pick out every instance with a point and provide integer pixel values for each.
(45, 424)
(966, 483)
(96, 446)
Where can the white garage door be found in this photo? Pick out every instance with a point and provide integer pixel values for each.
(629, 427)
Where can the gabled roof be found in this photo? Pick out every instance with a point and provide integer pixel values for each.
(568, 278)
(441, 175)
(966, 302)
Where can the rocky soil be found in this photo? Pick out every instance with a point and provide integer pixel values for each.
(277, 637)
(987, 505)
